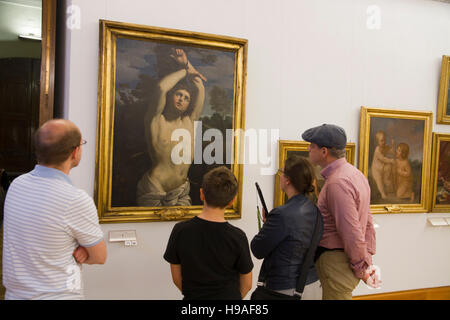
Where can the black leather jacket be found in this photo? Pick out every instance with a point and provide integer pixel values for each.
(283, 242)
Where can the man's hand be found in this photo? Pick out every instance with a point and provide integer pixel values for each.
(80, 254)
(371, 277)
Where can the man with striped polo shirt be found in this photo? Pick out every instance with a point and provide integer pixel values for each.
(50, 226)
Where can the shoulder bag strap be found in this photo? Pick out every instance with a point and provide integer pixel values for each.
(262, 275)
(309, 256)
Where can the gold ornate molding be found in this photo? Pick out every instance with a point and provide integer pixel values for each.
(172, 214)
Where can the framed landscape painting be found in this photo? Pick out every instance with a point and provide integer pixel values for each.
(300, 148)
(394, 155)
(166, 99)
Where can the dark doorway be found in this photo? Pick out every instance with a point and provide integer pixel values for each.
(19, 113)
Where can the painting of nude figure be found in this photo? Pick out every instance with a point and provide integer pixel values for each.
(394, 155)
(162, 91)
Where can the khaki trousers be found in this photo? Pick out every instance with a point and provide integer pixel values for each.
(338, 280)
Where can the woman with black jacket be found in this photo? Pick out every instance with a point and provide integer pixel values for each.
(286, 234)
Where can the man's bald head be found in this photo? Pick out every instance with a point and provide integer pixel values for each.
(55, 140)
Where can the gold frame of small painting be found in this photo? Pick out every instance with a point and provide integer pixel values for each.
(443, 110)
(394, 155)
(301, 148)
(440, 180)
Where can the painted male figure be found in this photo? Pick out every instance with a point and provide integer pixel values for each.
(178, 103)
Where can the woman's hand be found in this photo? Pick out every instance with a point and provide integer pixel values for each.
(264, 215)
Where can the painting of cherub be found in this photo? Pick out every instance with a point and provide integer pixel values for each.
(382, 165)
(394, 155)
(395, 168)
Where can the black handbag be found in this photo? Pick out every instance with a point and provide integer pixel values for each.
(263, 293)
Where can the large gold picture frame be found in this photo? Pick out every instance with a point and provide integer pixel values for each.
(288, 147)
(440, 179)
(394, 154)
(443, 111)
(133, 62)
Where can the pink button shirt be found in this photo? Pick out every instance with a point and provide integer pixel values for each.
(344, 203)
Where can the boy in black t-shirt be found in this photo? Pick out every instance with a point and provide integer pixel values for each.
(209, 258)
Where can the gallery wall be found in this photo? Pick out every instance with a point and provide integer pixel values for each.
(309, 62)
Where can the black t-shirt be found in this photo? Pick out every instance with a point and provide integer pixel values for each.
(212, 255)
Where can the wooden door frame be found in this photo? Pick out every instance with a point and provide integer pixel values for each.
(47, 90)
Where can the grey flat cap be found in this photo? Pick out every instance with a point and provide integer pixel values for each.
(326, 135)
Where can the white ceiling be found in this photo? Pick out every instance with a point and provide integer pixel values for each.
(28, 3)
(19, 17)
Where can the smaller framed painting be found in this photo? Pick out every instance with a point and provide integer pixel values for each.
(300, 148)
(394, 155)
(440, 180)
(443, 112)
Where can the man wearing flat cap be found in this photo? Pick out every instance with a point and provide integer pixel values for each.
(344, 255)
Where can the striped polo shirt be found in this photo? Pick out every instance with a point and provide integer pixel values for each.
(45, 219)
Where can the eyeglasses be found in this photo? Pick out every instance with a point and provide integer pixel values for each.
(81, 143)
(281, 171)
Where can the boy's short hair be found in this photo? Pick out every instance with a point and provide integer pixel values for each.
(219, 187)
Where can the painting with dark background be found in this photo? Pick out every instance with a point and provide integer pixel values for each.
(303, 152)
(443, 174)
(139, 66)
(448, 100)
